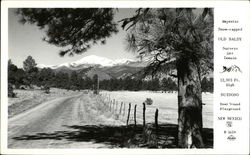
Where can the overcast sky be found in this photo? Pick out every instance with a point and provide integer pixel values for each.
(25, 40)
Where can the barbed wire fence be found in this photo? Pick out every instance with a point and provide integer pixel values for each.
(130, 113)
(142, 118)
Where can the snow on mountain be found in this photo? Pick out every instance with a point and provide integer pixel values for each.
(91, 60)
(123, 61)
(42, 66)
(61, 65)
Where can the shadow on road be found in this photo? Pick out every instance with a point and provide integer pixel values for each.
(121, 136)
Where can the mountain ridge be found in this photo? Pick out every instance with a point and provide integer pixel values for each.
(91, 60)
(105, 68)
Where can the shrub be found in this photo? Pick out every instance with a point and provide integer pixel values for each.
(46, 89)
(11, 91)
(148, 101)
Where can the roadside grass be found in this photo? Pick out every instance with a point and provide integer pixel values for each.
(104, 128)
(27, 99)
(166, 103)
(98, 111)
(112, 130)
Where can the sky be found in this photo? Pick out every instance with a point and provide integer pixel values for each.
(25, 40)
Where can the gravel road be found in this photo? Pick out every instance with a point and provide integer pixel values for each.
(60, 123)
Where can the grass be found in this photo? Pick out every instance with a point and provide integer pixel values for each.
(110, 130)
(27, 99)
(165, 102)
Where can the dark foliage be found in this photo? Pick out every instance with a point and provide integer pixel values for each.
(74, 29)
(95, 84)
(47, 78)
(207, 85)
(10, 91)
(16, 76)
(168, 36)
(130, 84)
(47, 89)
(29, 64)
(148, 101)
(168, 84)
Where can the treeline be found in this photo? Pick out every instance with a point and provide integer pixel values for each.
(30, 75)
(207, 84)
(166, 84)
(27, 77)
(74, 81)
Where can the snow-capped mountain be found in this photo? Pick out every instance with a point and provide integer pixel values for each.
(123, 61)
(91, 60)
(94, 60)
(42, 66)
(105, 68)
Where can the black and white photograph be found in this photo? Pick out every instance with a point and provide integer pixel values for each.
(124, 77)
(110, 78)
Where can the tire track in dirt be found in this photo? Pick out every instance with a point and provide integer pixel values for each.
(49, 124)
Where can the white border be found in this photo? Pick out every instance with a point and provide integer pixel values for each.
(240, 7)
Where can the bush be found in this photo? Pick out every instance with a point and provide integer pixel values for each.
(74, 88)
(46, 89)
(11, 91)
(148, 101)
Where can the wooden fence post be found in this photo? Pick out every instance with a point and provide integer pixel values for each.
(124, 109)
(110, 103)
(144, 109)
(117, 106)
(135, 114)
(113, 107)
(128, 113)
(156, 119)
(109, 97)
(120, 112)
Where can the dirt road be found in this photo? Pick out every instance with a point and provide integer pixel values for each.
(66, 122)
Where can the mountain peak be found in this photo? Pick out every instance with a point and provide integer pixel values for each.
(91, 60)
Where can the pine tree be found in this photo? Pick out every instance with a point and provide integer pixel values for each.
(29, 64)
(75, 29)
(177, 40)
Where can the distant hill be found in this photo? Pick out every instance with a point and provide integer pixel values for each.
(103, 67)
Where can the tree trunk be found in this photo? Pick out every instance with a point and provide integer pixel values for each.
(189, 105)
